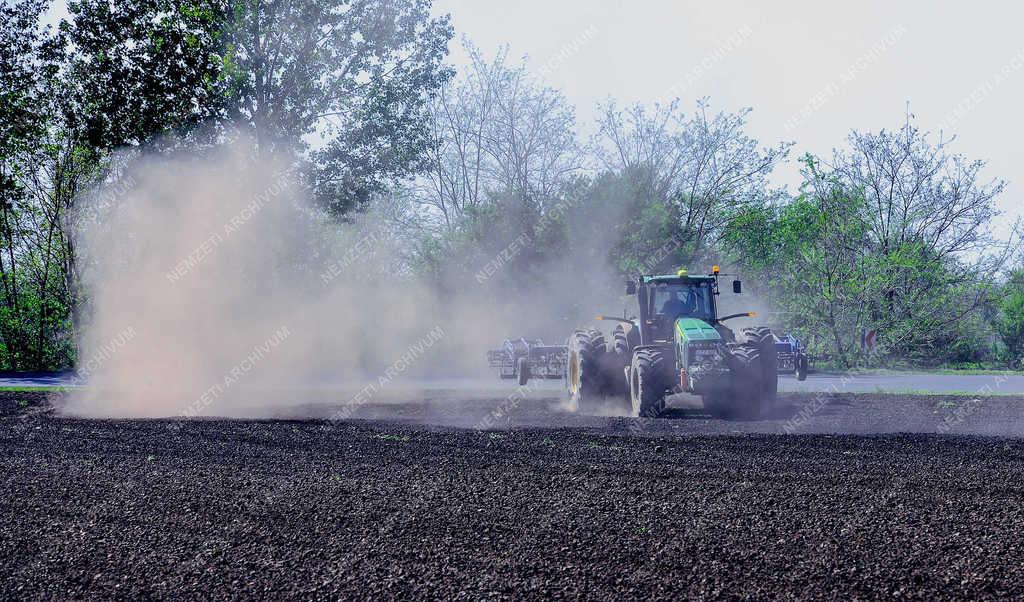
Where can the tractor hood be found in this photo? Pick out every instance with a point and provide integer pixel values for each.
(692, 330)
(701, 366)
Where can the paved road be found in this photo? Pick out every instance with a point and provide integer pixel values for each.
(833, 383)
(880, 383)
(903, 383)
(40, 379)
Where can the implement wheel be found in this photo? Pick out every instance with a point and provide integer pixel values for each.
(523, 371)
(801, 367)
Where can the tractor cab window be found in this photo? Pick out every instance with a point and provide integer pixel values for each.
(682, 300)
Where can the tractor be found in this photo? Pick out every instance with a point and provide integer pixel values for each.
(677, 343)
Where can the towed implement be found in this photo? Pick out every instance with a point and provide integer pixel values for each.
(791, 356)
(523, 358)
(677, 344)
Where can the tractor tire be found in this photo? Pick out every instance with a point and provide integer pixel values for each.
(523, 371)
(624, 338)
(648, 382)
(619, 342)
(749, 396)
(762, 338)
(584, 380)
(739, 400)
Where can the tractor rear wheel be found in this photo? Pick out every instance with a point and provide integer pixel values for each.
(648, 383)
(801, 367)
(763, 340)
(584, 381)
(624, 338)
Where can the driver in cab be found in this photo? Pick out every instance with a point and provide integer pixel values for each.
(675, 306)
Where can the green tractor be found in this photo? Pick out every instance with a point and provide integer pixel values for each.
(677, 344)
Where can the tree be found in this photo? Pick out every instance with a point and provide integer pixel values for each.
(338, 86)
(806, 254)
(40, 172)
(497, 132)
(927, 245)
(1010, 321)
(141, 70)
(892, 234)
(702, 169)
(355, 73)
(502, 156)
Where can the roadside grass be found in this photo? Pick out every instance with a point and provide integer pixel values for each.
(928, 393)
(916, 371)
(977, 372)
(897, 368)
(950, 371)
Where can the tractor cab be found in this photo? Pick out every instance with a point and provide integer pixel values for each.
(664, 299)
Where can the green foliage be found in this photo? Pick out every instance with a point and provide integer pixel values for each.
(37, 177)
(889, 234)
(356, 74)
(143, 68)
(836, 263)
(1010, 320)
(353, 74)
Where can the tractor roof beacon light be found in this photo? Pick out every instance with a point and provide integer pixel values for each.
(682, 273)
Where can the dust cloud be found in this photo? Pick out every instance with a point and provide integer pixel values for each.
(215, 288)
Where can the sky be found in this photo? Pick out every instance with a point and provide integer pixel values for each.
(811, 71)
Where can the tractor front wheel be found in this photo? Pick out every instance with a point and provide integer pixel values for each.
(754, 379)
(648, 383)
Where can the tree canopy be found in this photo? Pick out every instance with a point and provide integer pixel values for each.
(485, 172)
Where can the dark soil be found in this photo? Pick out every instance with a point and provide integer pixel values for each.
(596, 507)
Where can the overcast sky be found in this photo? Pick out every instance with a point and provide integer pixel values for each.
(810, 70)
